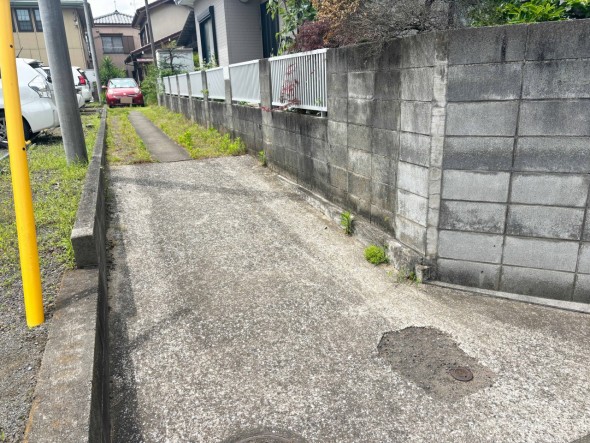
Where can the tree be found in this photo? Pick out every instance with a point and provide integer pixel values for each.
(108, 70)
(293, 14)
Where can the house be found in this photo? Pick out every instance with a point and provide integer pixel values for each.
(167, 21)
(28, 31)
(115, 37)
(233, 31)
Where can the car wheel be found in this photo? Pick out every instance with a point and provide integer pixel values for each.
(3, 135)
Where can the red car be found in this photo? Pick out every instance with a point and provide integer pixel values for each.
(123, 91)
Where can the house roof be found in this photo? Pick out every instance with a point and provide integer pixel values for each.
(147, 48)
(188, 35)
(114, 18)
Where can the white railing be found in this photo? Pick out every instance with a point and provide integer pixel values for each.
(216, 83)
(299, 80)
(196, 84)
(166, 86)
(245, 82)
(183, 85)
(173, 85)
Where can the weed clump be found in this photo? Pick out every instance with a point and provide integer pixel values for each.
(375, 255)
(346, 221)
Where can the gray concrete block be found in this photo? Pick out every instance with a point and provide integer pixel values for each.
(383, 196)
(362, 57)
(475, 185)
(484, 82)
(558, 255)
(359, 162)
(390, 55)
(488, 118)
(338, 85)
(584, 259)
(359, 137)
(478, 153)
(556, 79)
(550, 189)
(412, 178)
(476, 217)
(313, 127)
(416, 117)
(412, 207)
(385, 142)
(417, 51)
(338, 156)
(563, 154)
(383, 218)
(545, 221)
(555, 118)
(361, 85)
(569, 39)
(359, 186)
(338, 109)
(536, 282)
(360, 112)
(582, 289)
(470, 246)
(481, 275)
(336, 61)
(338, 177)
(383, 169)
(411, 234)
(387, 85)
(417, 84)
(337, 133)
(386, 114)
(487, 45)
(415, 148)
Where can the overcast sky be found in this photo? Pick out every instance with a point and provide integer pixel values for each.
(102, 7)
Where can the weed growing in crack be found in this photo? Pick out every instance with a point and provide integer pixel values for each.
(346, 221)
(375, 255)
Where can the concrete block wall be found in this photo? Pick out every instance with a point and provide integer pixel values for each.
(516, 160)
(470, 146)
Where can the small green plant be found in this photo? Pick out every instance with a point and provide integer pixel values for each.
(186, 139)
(262, 158)
(347, 221)
(376, 255)
(205, 91)
(404, 275)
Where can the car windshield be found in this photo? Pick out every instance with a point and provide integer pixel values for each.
(122, 83)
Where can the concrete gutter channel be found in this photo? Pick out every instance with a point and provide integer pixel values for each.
(71, 397)
(72, 394)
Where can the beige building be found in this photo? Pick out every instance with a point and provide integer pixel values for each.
(114, 37)
(28, 31)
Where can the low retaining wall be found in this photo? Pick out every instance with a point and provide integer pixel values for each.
(469, 146)
(71, 396)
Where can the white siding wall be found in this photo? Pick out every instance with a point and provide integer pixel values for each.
(220, 28)
(243, 30)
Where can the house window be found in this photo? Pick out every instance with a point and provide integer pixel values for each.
(38, 24)
(112, 44)
(23, 20)
(208, 39)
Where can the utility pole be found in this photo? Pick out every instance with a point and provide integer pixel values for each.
(90, 36)
(63, 82)
(150, 32)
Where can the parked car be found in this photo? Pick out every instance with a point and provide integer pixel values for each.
(123, 91)
(38, 109)
(81, 83)
(46, 73)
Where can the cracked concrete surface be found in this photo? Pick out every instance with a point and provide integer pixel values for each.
(236, 308)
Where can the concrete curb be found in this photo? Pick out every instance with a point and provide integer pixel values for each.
(71, 396)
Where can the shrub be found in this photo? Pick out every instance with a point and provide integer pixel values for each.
(346, 221)
(108, 70)
(376, 255)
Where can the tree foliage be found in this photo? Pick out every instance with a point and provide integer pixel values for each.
(109, 70)
(293, 14)
(499, 12)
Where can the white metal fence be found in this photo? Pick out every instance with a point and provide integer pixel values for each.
(216, 83)
(245, 82)
(196, 84)
(299, 80)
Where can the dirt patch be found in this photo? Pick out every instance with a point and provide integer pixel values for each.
(426, 356)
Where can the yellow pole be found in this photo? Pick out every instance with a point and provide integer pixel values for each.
(23, 198)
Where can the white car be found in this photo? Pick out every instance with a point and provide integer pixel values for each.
(38, 109)
(81, 83)
(46, 72)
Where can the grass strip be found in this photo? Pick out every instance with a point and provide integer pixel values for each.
(124, 146)
(198, 141)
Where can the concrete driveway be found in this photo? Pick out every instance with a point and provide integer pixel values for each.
(240, 313)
